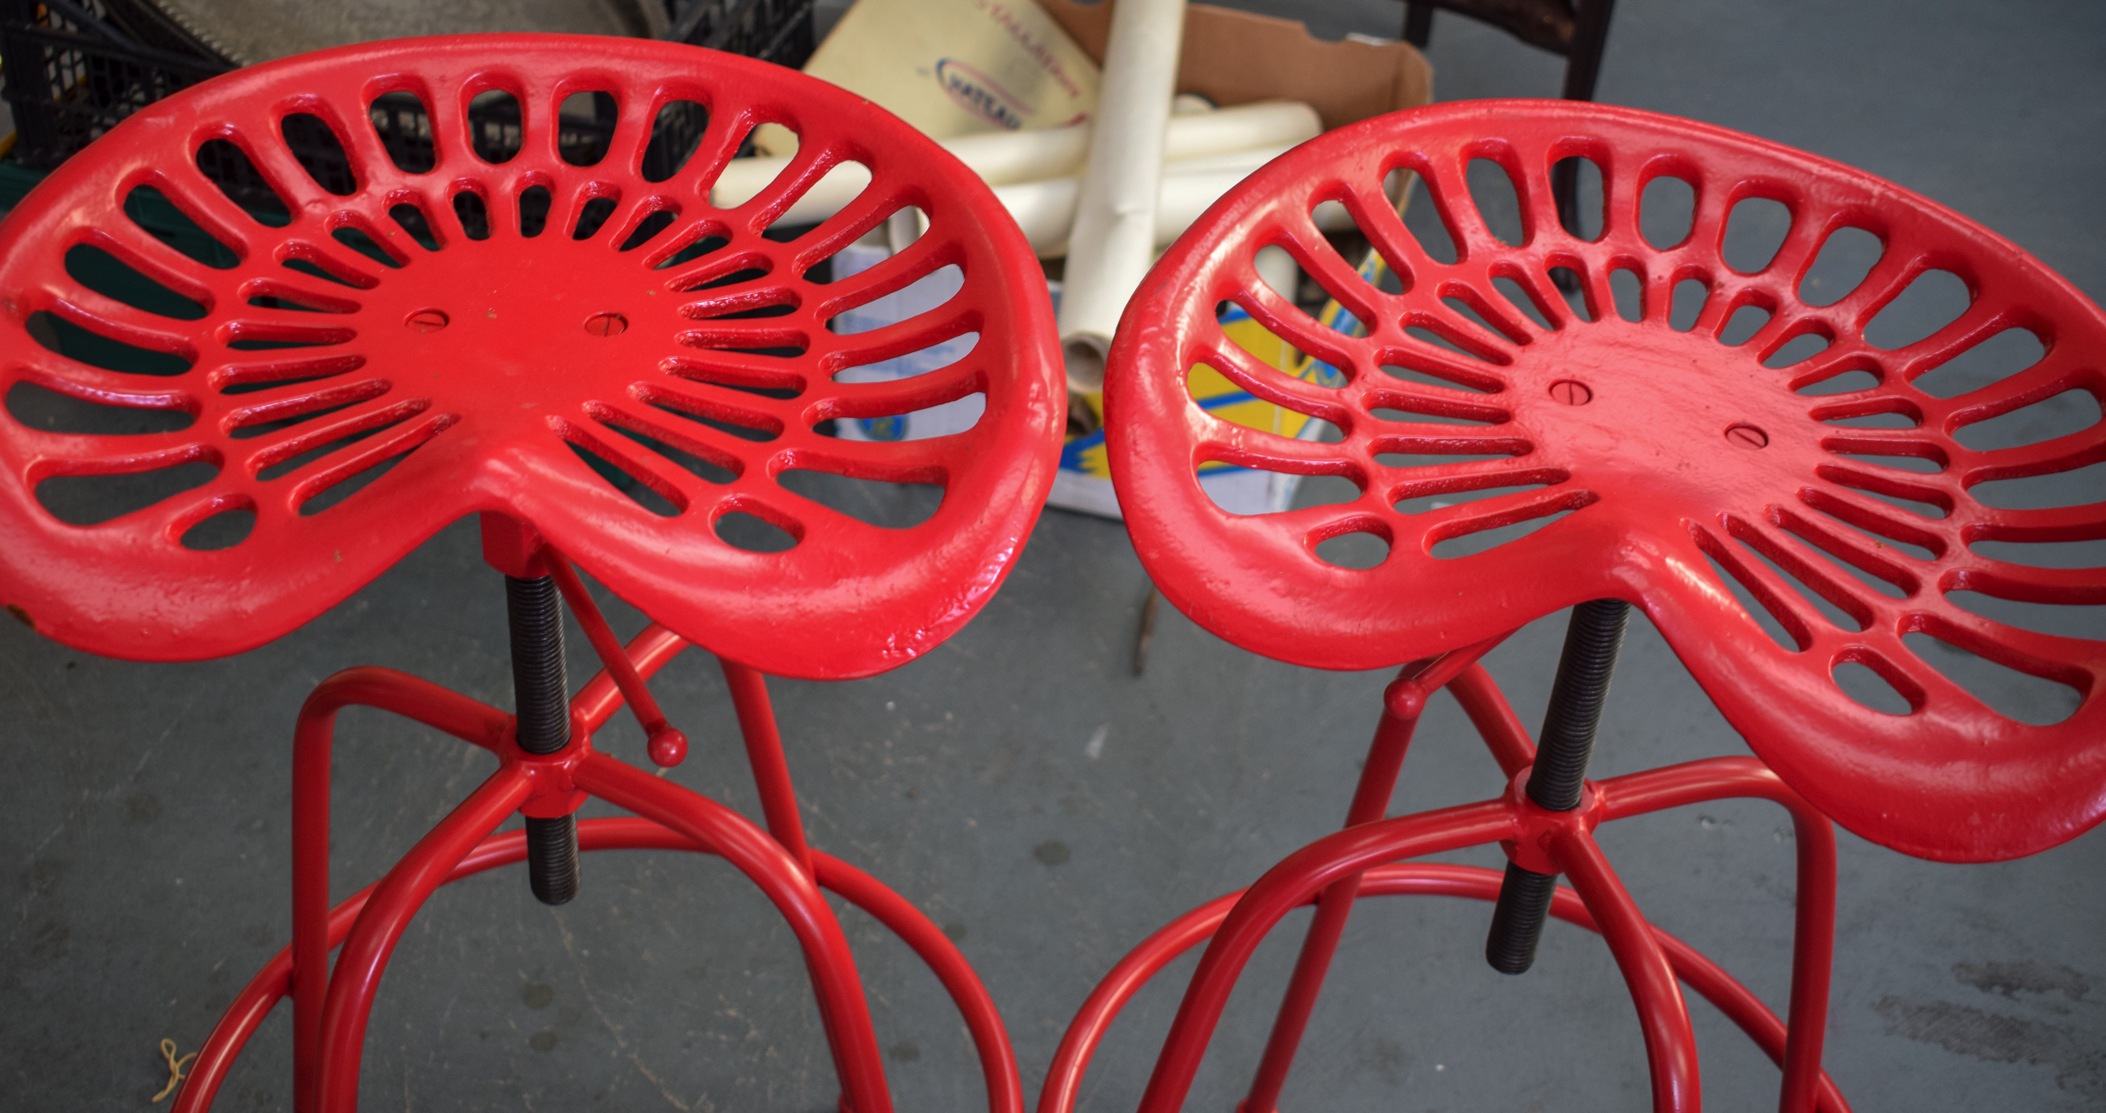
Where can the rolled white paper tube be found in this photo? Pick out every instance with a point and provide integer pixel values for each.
(1001, 157)
(1046, 210)
(1114, 238)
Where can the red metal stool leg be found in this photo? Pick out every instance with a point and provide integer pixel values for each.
(275, 981)
(1403, 702)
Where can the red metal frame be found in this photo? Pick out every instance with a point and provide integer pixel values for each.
(1661, 465)
(1664, 466)
(331, 1005)
(1356, 862)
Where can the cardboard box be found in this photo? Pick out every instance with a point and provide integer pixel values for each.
(1230, 58)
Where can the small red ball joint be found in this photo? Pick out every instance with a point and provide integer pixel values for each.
(667, 746)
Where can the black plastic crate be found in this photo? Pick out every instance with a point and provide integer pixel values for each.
(74, 68)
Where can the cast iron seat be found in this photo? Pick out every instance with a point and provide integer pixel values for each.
(1800, 491)
(325, 343)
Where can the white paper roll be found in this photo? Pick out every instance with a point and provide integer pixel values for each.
(1046, 210)
(1114, 237)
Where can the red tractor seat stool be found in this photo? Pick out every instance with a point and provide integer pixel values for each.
(524, 308)
(1676, 454)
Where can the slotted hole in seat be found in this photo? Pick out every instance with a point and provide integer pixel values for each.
(1931, 301)
(1440, 334)
(1246, 491)
(592, 216)
(357, 239)
(746, 428)
(270, 295)
(1498, 202)
(1867, 688)
(90, 500)
(152, 211)
(2010, 692)
(754, 534)
(1842, 382)
(1743, 325)
(2059, 619)
(676, 133)
(1800, 348)
(1628, 290)
(222, 529)
(473, 213)
(700, 243)
(1239, 328)
(1358, 544)
(1482, 538)
(709, 471)
(1811, 547)
(319, 152)
(2045, 491)
(96, 350)
(1426, 226)
(250, 380)
(841, 182)
(1755, 228)
(922, 296)
(1667, 211)
(40, 407)
(313, 269)
(1522, 299)
(874, 502)
(1918, 464)
(123, 283)
(1985, 364)
(940, 419)
(303, 338)
(302, 410)
(938, 354)
(1687, 303)
(1426, 504)
(534, 204)
(403, 127)
(228, 167)
(649, 227)
(1749, 605)
(412, 220)
(1893, 489)
(1883, 531)
(1441, 378)
(1887, 413)
(1846, 257)
(2071, 411)
(1580, 299)
(585, 127)
(2090, 553)
(634, 489)
(375, 425)
(1811, 586)
(1587, 197)
(1492, 332)
(494, 129)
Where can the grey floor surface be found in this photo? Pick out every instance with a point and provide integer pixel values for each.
(1048, 808)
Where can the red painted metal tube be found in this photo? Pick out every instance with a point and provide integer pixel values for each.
(1285, 887)
(1005, 1087)
(650, 651)
(771, 770)
(387, 914)
(667, 746)
(274, 981)
(1663, 1016)
(1086, 1033)
(783, 878)
(1494, 718)
(313, 735)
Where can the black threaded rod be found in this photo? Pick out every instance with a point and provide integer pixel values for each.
(1592, 640)
(541, 705)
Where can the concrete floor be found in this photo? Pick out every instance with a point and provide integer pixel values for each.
(1049, 809)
